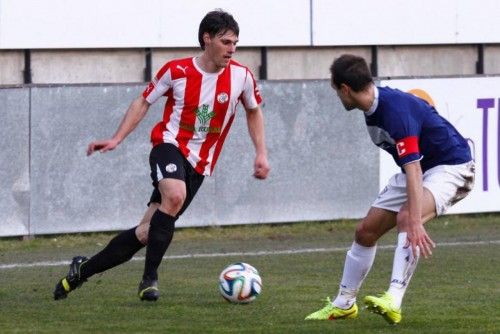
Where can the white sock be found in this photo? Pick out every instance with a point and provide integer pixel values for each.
(402, 270)
(358, 261)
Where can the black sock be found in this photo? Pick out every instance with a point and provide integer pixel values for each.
(160, 235)
(119, 250)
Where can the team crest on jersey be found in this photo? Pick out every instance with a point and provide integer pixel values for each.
(222, 98)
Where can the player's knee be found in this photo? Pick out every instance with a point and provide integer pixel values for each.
(174, 201)
(402, 219)
(364, 236)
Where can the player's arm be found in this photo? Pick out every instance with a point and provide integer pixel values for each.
(134, 115)
(255, 122)
(416, 234)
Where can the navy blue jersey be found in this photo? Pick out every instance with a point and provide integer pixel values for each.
(410, 130)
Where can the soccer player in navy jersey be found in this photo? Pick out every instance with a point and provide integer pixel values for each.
(437, 171)
(202, 93)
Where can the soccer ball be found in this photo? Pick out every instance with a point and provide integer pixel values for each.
(240, 283)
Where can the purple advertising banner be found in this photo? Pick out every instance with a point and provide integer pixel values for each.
(472, 105)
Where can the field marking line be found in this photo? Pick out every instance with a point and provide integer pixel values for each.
(259, 253)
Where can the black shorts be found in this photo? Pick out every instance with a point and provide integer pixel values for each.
(167, 162)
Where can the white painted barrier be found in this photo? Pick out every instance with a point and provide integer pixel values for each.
(35, 24)
(48, 185)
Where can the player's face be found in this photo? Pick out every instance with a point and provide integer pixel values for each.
(345, 97)
(221, 48)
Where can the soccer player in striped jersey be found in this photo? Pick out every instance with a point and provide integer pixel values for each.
(437, 171)
(202, 94)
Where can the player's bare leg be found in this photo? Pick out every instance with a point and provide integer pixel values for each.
(161, 231)
(119, 250)
(405, 262)
(359, 260)
(142, 230)
(360, 257)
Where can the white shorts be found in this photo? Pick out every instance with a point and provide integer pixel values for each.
(447, 183)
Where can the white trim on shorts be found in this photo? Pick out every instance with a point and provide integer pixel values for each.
(448, 184)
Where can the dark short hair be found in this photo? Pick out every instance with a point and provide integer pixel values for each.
(351, 70)
(217, 22)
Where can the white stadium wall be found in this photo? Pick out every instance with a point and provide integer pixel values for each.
(397, 22)
(34, 24)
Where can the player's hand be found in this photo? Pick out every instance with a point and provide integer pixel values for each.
(102, 146)
(261, 167)
(418, 237)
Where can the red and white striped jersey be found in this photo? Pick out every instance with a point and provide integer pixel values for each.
(200, 107)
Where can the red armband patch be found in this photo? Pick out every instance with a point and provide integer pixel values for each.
(407, 146)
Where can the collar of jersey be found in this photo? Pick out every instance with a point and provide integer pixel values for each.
(198, 68)
(375, 102)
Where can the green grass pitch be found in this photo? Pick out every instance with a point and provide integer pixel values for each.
(457, 290)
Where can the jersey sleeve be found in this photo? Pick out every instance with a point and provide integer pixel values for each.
(160, 84)
(408, 150)
(406, 133)
(251, 96)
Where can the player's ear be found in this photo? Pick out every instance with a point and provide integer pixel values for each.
(345, 89)
(206, 38)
